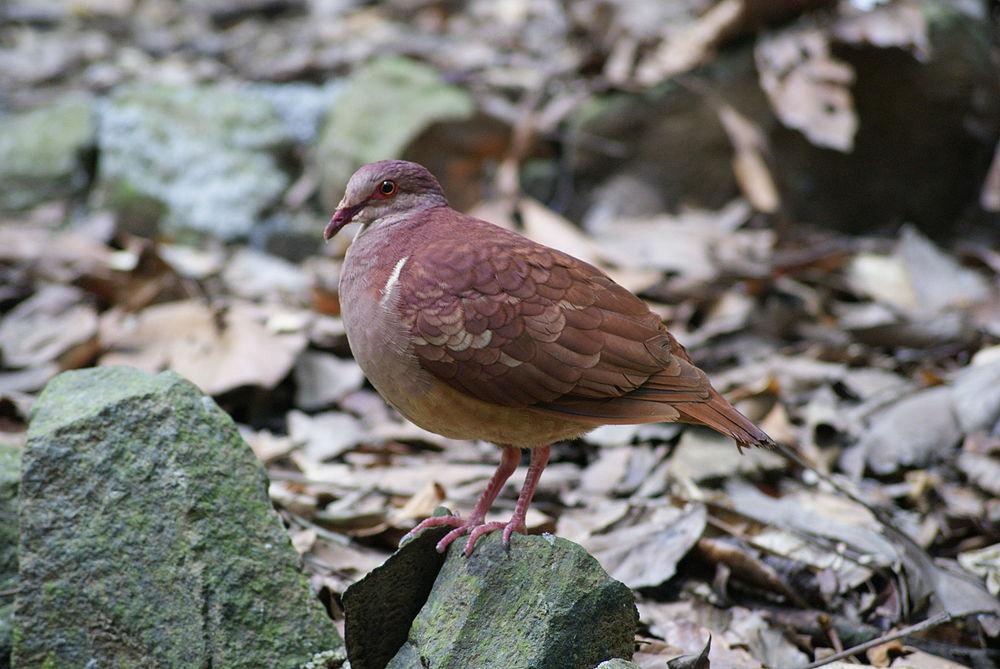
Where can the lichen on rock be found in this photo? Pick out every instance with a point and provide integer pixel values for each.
(204, 159)
(147, 536)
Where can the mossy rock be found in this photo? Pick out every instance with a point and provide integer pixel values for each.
(147, 536)
(543, 604)
(201, 158)
(10, 476)
(384, 107)
(41, 153)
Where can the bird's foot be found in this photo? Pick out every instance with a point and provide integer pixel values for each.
(477, 530)
(433, 521)
(474, 527)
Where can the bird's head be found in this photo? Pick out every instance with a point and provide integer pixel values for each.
(385, 191)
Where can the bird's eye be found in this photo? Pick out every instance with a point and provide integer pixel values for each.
(387, 188)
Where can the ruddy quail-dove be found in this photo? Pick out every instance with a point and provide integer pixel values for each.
(475, 332)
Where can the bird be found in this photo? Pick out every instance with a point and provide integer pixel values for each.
(473, 331)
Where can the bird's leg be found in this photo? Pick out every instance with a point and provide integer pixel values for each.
(509, 459)
(539, 458)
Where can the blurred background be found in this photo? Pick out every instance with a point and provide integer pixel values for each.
(808, 192)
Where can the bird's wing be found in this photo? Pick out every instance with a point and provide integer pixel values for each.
(515, 323)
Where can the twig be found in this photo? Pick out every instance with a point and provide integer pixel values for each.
(933, 621)
(9, 592)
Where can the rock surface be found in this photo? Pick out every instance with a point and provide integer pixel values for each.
(41, 153)
(545, 604)
(202, 158)
(10, 476)
(391, 101)
(147, 537)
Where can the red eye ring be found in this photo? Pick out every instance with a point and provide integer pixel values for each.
(387, 188)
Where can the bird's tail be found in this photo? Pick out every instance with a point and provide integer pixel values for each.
(723, 417)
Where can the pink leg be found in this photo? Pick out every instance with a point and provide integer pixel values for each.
(509, 459)
(539, 458)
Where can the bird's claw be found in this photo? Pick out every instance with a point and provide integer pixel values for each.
(474, 527)
(476, 530)
(433, 521)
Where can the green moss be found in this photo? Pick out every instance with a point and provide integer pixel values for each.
(40, 152)
(386, 105)
(147, 516)
(521, 608)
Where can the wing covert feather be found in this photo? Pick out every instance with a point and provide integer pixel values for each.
(514, 323)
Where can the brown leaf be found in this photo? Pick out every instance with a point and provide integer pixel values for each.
(646, 554)
(807, 87)
(685, 46)
(216, 349)
(46, 326)
(751, 170)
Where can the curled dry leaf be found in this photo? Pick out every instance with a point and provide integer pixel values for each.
(218, 349)
(807, 87)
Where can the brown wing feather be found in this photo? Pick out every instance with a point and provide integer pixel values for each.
(515, 323)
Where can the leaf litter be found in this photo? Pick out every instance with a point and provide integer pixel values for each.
(875, 359)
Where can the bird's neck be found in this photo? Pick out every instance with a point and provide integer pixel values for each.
(376, 250)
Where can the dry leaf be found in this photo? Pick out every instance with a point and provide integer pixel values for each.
(807, 87)
(46, 326)
(216, 349)
(322, 379)
(646, 554)
(683, 47)
(749, 167)
(900, 24)
(989, 197)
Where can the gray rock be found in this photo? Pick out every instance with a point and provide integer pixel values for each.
(41, 151)
(618, 663)
(201, 158)
(544, 604)
(392, 101)
(10, 476)
(147, 537)
(301, 107)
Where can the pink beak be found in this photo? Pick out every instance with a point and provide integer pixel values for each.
(341, 217)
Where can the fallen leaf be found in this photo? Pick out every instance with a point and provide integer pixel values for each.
(913, 432)
(807, 86)
(646, 554)
(984, 563)
(322, 379)
(46, 326)
(689, 44)
(216, 349)
(257, 276)
(701, 455)
(324, 436)
(751, 170)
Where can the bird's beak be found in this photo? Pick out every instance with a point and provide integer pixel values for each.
(340, 218)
